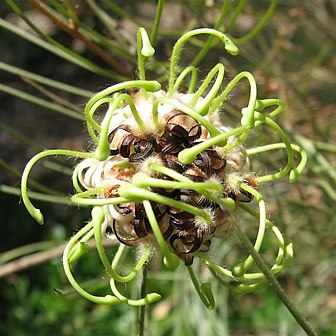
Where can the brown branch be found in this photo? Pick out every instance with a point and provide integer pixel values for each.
(71, 29)
(42, 257)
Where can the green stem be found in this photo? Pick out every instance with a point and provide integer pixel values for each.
(193, 79)
(156, 25)
(147, 298)
(202, 107)
(59, 50)
(141, 262)
(228, 44)
(81, 247)
(189, 155)
(262, 119)
(207, 45)
(142, 180)
(204, 290)
(112, 268)
(259, 26)
(36, 195)
(285, 252)
(142, 309)
(127, 98)
(248, 112)
(136, 194)
(238, 9)
(41, 102)
(274, 282)
(21, 251)
(294, 173)
(187, 110)
(45, 81)
(143, 259)
(84, 201)
(103, 147)
(34, 212)
(108, 299)
(261, 104)
(229, 203)
(171, 260)
(326, 147)
(241, 268)
(92, 125)
(145, 49)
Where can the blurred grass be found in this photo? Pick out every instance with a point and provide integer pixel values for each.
(292, 59)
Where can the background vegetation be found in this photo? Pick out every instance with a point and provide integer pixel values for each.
(292, 58)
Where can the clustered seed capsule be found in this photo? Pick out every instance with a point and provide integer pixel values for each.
(130, 149)
(166, 171)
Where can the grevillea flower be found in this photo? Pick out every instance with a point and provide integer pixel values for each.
(166, 174)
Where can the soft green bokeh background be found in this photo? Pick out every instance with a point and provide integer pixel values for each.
(292, 58)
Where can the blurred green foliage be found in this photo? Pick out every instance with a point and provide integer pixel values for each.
(292, 58)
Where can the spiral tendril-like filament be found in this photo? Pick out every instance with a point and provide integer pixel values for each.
(167, 175)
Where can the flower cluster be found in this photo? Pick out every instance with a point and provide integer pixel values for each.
(166, 174)
(183, 197)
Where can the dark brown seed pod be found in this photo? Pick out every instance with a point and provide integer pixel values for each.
(176, 134)
(171, 162)
(204, 202)
(241, 196)
(194, 198)
(124, 209)
(128, 241)
(194, 178)
(217, 163)
(209, 162)
(181, 129)
(126, 145)
(182, 224)
(125, 128)
(142, 227)
(203, 162)
(186, 243)
(144, 148)
(132, 147)
(139, 211)
(166, 234)
(187, 196)
(179, 228)
(142, 151)
(159, 210)
(169, 148)
(194, 133)
(181, 220)
(178, 213)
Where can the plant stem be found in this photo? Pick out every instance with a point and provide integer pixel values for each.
(72, 29)
(274, 282)
(142, 309)
(157, 21)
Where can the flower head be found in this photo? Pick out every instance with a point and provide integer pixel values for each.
(166, 174)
